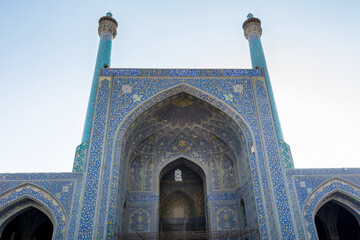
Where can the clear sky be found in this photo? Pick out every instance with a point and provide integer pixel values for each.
(48, 51)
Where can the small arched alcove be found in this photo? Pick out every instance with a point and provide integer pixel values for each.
(337, 220)
(182, 206)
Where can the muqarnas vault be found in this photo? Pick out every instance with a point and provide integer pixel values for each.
(181, 154)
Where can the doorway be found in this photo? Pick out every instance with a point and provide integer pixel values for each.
(181, 199)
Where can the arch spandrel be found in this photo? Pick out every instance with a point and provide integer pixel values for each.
(15, 200)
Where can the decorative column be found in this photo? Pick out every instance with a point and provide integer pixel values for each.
(253, 31)
(107, 32)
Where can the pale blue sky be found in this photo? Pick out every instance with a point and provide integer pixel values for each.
(48, 51)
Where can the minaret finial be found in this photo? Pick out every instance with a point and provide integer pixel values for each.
(250, 15)
(107, 26)
(252, 27)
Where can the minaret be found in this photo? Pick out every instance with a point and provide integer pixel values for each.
(253, 31)
(107, 32)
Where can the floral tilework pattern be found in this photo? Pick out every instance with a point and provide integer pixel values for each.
(226, 218)
(80, 157)
(140, 221)
(286, 154)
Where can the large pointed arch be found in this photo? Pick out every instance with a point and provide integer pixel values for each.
(334, 189)
(228, 111)
(17, 199)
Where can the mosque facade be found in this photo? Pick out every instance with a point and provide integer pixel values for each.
(181, 154)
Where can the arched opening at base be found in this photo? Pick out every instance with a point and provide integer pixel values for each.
(333, 221)
(181, 199)
(30, 224)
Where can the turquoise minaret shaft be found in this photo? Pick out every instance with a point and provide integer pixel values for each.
(107, 32)
(253, 31)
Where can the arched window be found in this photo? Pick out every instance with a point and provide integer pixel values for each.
(178, 176)
(243, 213)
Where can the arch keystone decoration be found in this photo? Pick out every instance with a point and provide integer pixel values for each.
(15, 200)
